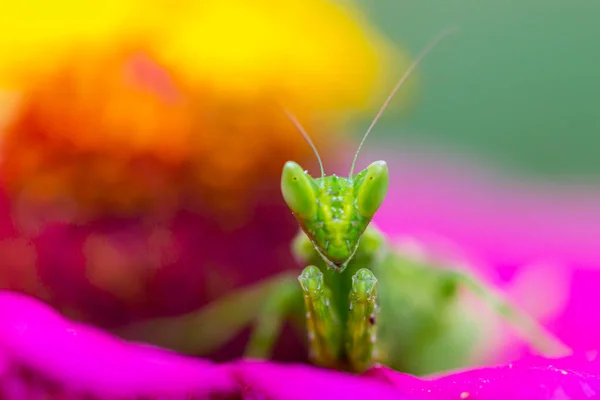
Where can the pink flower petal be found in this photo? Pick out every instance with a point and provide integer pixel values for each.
(43, 355)
(40, 348)
(532, 378)
(263, 380)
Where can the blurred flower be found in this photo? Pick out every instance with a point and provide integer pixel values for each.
(536, 241)
(141, 157)
(43, 355)
(187, 112)
(38, 33)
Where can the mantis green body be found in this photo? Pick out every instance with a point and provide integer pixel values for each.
(418, 303)
(334, 213)
(360, 299)
(341, 288)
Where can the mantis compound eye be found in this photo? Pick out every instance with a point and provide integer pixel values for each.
(371, 188)
(299, 190)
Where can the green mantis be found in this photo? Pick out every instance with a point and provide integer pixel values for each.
(360, 299)
(334, 214)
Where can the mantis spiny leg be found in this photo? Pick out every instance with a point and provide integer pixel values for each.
(269, 322)
(362, 317)
(322, 320)
(206, 330)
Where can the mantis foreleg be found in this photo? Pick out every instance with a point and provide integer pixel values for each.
(322, 320)
(362, 317)
(354, 297)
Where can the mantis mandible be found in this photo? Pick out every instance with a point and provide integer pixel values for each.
(364, 300)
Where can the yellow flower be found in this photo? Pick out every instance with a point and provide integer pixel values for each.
(178, 107)
(39, 31)
(319, 53)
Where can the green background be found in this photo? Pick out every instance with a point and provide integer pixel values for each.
(517, 86)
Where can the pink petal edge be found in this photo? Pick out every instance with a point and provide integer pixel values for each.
(33, 335)
(261, 379)
(82, 360)
(535, 378)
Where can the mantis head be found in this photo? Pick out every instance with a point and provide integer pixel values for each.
(334, 211)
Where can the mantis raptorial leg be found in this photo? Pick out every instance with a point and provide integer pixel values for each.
(322, 319)
(362, 320)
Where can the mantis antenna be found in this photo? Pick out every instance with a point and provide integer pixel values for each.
(306, 137)
(408, 72)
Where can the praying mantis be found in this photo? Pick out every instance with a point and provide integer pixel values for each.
(359, 299)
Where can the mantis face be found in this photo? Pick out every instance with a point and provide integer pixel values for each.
(334, 211)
